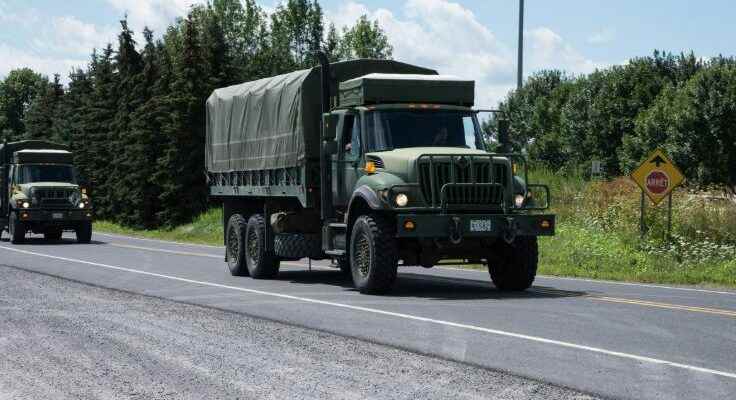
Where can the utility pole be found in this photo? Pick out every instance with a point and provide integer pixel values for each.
(521, 46)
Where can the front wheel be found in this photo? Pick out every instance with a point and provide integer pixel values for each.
(84, 232)
(373, 254)
(17, 229)
(513, 267)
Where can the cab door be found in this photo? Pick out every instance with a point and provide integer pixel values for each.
(347, 160)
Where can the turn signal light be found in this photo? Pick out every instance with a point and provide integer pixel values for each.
(545, 224)
(370, 167)
(409, 225)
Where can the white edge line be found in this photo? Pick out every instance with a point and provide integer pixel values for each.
(157, 240)
(399, 315)
(600, 281)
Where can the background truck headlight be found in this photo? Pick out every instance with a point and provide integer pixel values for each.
(402, 200)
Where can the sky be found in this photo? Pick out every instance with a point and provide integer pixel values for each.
(473, 39)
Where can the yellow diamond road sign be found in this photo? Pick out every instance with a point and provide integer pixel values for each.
(657, 176)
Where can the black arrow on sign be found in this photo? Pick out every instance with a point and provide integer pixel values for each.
(658, 160)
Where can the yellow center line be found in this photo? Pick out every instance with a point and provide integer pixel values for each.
(645, 303)
(707, 310)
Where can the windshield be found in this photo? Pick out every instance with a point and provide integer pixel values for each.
(397, 129)
(46, 173)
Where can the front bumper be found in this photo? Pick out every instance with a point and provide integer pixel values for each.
(55, 216)
(459, 226)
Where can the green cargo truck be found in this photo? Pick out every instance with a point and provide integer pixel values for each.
(40, 192)
(374, 164)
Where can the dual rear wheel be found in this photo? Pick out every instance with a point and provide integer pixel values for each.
(246, 250)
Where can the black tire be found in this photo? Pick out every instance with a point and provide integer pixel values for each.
(53, 234)
(17, 229)
(513, 267)
(298, 245)
(373, 254)
(84, 232)
(261, 264)
(235, 246)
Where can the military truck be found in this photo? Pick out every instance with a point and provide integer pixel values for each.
(40, 192)
(373, 164)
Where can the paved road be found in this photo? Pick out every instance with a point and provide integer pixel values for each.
(609, 339)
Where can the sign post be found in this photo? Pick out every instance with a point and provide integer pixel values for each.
(657, 177)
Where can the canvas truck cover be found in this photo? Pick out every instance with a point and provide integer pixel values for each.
(275, 122)
(8, 149)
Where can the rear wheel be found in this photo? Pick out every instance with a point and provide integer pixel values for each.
(261, 264)
(513, 267)
(236, 246)
(373, 254)
(17, 229)
(53, 234)
(84, 232)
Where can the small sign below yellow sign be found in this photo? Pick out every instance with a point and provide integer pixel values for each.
(657, 176)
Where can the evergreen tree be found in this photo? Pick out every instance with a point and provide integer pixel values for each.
(44, 112)
(123, 147)
(74, 109)
(96, 126)
(184, 193)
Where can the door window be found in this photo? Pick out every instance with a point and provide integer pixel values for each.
(351, 138)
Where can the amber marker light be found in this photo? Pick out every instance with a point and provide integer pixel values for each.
(545, 224)
(370, 167)
(409, 225)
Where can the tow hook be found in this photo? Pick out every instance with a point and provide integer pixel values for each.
(456, 231)
(509, 234)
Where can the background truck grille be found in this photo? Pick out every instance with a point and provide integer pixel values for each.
(436, 171)
(55, 197)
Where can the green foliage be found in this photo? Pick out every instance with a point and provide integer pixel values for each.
(364, 40)
(598, 234)
(135, 117)
(17, 92)
(620, 114)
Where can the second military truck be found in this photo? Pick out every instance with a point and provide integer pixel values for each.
(373, 164)
(40, 192)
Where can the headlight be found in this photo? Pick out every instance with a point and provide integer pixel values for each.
(26, 205)
(402, 200)
(519, 200)
(82, 205)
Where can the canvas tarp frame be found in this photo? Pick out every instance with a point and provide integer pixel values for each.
(274, 122)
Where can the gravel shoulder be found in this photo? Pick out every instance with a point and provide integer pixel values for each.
(62, 339)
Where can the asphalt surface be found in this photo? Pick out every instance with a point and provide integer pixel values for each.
(608, 339)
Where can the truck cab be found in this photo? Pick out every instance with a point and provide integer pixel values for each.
(412, 177)
(42, 193)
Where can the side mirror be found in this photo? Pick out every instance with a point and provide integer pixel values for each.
(329, 131)
(503, 135)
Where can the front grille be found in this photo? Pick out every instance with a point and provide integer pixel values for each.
(58, 198)
(437, 171)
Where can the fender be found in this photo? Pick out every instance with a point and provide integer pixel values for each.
(368, 195)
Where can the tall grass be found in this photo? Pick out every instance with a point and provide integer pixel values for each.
(598, 234)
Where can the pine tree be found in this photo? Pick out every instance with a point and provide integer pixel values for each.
(101, 106)
(125, 148)
(74, 109)
(184, 193)
(44, 112)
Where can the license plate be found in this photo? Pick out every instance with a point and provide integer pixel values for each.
(57, 215)
(480, 225)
